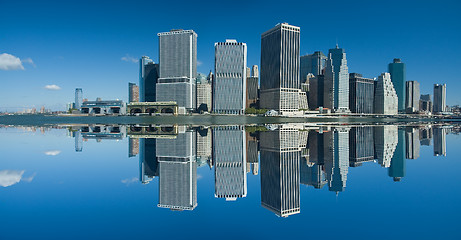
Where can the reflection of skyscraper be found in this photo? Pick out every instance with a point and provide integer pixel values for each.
(440, 145)
(312, 174)
(252, 154)
(133, 147)
(361, 145)
(412, 142)
(78, 141)
(385, 143)
(425, 135)
(397, 168)
(230, 162)
(386, 100)
(148, 164)
(280, 155)
(337, 159)
(178, 171)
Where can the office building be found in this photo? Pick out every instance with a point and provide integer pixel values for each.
(336, 81)
(253, 88)
(412, 97)
(229, 86)
(361, 145)
(361, 94)
(78, 98)
(203, 100)
(316, 92)
(178, 68)
(280, 82)
(312, 63)
(398, 76)
(229, 155)
(148, 75)
(425, 103)
(133, 92)
(440, 98)
(385, 96)
(440, 141)
(386, 141)
(412, 143)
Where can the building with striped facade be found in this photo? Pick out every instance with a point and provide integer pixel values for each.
(336, 81)
(361, 94)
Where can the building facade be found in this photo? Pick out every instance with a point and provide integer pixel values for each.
(312, 63)
(361, 94)
(133, 92)
(412, 97)
(425, 103)
(229, 86)
(280, 82)
(397, 71)
(78, 98)
(203, 100)
(440, 98)
(386, 99)
(178, 68)
(336, 86)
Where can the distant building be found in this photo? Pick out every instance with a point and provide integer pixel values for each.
(78, 98)
(178, 68)
(425, 103)
(412, 97)
(280, 82)
(133, 92)
(398, 76)
(361, 93)
(252, 153)
(385, 96)
(229, 86)
(440, 98)
(255, 71)
(312, 63)
(133, 147)
(104, 107)
(336, 86)
(203, 93)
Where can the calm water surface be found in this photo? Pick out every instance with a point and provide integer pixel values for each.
(230, 182)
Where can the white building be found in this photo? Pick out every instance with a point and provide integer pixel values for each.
(386, 101)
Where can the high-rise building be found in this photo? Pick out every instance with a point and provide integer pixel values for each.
(440, 141)
(425, 103)
(280, 155)
(78, 98)
(336, 86)
(252, 87)
(361, 93)
(143, 62)
(78, 141)
(312, 63)
(316, 92)
(229, 154)
(255, 71)
(229, 87)
(361, 145)
(398, 76)
(412, 144)
(203, 93)
(178, 68)
(133, 92)
(440, 98)
(386, 141)
(280, 82)
(385, 96)
(412, 97)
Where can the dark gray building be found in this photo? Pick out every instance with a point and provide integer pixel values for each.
(361, 145)
(425, 103)
(361, 93)
(412, 96)
(312, 63)
(440, 98)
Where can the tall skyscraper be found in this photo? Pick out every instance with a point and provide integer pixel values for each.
(312, 63)
(229, 154)
(361, 93)
(133, 92)
(280, 82)
(440, 141)
(229, 87)
(203, 93)
(385, 96)
(440, 98)
(148, 75)
(412, 97)
(398, 77)
(78, 98)
(178, 68)
(336, 86)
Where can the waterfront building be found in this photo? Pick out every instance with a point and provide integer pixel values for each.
(178, 68)
(440, 141)
(229, 86)
(104, 107)
(203, 93)
(133, 92)
(229, 155)
(398, 76)
(361, 145)
(312, 63)
(440, 98)
(412, 97)
(361, 93)
(412, 144)
(425, 103)
(78, 98)
(336, 81)
(280, 155)
(280, 83)
(385, 96)
(386, 141)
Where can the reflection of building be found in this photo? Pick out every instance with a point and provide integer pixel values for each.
(398, 76)
(440, 98)
(204, 143)
(178, 171)
(148, 164)
(440, 145)
(133, 147)
(252, 154)
(361, 93)
(425, 135)
(337, 159)
(230, 162)
(361, 146)
(412, 142)
(280, 156)
(78, 141)
(385, 143)
(425, 103)
(397, 168)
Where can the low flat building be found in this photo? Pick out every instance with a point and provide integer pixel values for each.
(151, 108)
(104, 107)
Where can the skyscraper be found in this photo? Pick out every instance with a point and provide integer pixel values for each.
(425, 103)
(412, 97)
(203, 93)
(252, 87)
(133, 92)
(312, 63)
(178, 68)
(229, 87)
(385, 96)
(336, 86)
(361, 93)
(78, 98)
(148, 75)
(440, 98)
(280, 83)
(254, 71)
(398, 77)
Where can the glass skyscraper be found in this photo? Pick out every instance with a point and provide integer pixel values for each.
(398, 78)
(336, 96)
(312, 63)
(361, 93)
(440, 92)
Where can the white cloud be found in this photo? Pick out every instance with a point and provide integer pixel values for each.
(29, 61)
(10, 62)
(128, 58)
(52, 152)
(52, 87)
(199, 63)
(129, 181)
(10, 177)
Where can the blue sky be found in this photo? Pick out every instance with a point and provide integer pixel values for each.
(63, 45)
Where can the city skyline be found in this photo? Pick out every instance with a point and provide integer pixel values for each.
(68, 54)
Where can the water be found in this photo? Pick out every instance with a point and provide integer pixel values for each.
(300, 180)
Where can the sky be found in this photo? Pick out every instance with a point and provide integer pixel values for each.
(47, 48)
